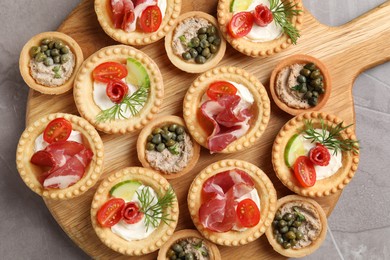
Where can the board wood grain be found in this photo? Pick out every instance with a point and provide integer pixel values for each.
(346, 50)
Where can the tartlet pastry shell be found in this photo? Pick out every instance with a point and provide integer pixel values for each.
(295, 253)
(323, 187)
(25, 58)
(193, 97)
(146, 131)
(103, 12)
(264, 187)
(83, 89)
(194, 67)
(188, 233)
(29, 171)
(300, 59)
(256, 49)
(159, 236)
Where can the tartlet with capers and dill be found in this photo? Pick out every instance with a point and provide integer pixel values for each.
(195, 45)
(260, 27)
(49, 61)
(164, 145)
(299, 227)
(226, 109)
(315, 154)
(118, 89)
(134, 211)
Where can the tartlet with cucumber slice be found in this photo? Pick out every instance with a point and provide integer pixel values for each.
(134, 211)
(165, 146)
(260, 28)
(315, 154)
(118, 89)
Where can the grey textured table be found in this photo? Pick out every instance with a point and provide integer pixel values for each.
(359, 225)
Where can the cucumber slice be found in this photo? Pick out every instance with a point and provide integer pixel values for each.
(125, 190)
(294, 149)
(137, 74)
(240, 5)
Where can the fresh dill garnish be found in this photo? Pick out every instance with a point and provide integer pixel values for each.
(57, 72)
(297, 87)
(330, 136)
(174, 149)
(282, 11)
(154, 211)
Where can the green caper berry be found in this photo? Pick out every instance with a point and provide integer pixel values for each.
(283, 230)
(282, 223)
(206, 52)
(313, 101)
(45, 41)
(320, 90)
(301, 79)
(180, 138)
(160, 147)
(286, 245)
(195, 42)
(213, 48)
(288, 216)
(149, 138)
(315, 94)
(305, 72)
(189, 256)
(200, 59)
(315, 74)
(44, 47)
(179, 130)
(174, 257)
(183, 243)
(174, 136)
(170, 253)
(316, 83)
(290, 235)
(165, 128)
(172, 127)
(303, 88)
(275, 223)
(186, 56)
(293, 242)
(293, 229)
(48, 61)
(279, 239)
(217, 41)
(58, 44)
(57, 59)
(310, 66)
(202, 30)
(170, 143)
(202, 37)
(182, 254)
(199, 49)
(40, 57)
(54, 52)
(289, 223)
(298, 235)
(211, 30)
(208, 56)
(65, 58)
(65, 50)
(166, 136)
(157, 130)
(34, 51)
(193, 53)
(51, 45)
(204, 44)
(48, 53)
(308, 94)
(211, 39)
(278, 216)
(150, 146)
(156, 139)
(276, 231)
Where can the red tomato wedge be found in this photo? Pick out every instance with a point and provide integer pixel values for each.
(320, 155)
(111, 212)
(116, 90)
(262, 15)
(108, 71)
(240, 24)
(131, 213)
(304, 171)
(57, 130)
(248, 213)
(150, 19)
(219, 88)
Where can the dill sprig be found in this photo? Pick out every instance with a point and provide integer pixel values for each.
(130, 103)
(282, 11)
(154, 211)
(330, 136)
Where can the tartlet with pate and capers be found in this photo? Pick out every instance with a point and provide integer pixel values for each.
(49, 61)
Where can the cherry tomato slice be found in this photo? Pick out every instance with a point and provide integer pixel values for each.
(304, 171)
(116, 90)
(57, 130)
(319, 155)
(240, 24)
(150, 19)
(219, 88)
(248, 213)
(108, 71)
(131, 213)
(262, 15)
(111, 212)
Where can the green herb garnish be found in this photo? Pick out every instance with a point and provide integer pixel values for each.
(330, 136)
(182, 38)
(299, 214)
(57, 72)
(154, 211)
(282, 11)
(297, 87)
(174, 149)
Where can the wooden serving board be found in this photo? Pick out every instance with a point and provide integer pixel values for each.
(347, 51)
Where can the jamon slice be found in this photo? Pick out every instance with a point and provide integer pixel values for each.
(118, 12)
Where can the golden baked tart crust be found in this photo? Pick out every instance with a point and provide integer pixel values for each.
(83, 89)
(266, 192)
(146, 131)
(25, 58)
(301, 59)
(188, 233)
(199, 87)
(322, 187)
(159, 236)
(103, 12)
(255, 49)
(192, 67)
(29, 172)
(301, 252)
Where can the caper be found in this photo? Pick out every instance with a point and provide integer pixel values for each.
(290, 235)
(315, 74)
(303, 88)
(282, 223)
(44, 47)
(59, 45)
(48, 61)
(174, 136)
(283, 230)
(45, 41)
(301, 79)
(193, 52)
(189, 256)
(308, 94)
(160, 147)
(298, 235)
(213, 48)
(315, 94)
(202, 37)
(170, 143)
(200, 59)
(157, 130)
(186, 55)
(199, 49)
(286, 245)
(65, 50)
(288, 216)
(211, 30)
(181, 255)
(310, 66)
(204, 44)
(316, 83)
(202, 30)
(293, 242)
(166, 136)
(180, 138)
(172, 127)
(57, 59)
(65, 58)
(293, 229)
(276, 231)
(313, 101)
(150, 146)
(195, 42)
(275, 223)
(320, 90)
(278, 216)
(206, 52)
(279, 239)
(179, 130)
(211, 39)
(170, 253)
(34, 51)
(174, 257)
(183, 243)
(305, 72)
(165, 128)
(217, 41)
(48, 53)
(51, 45)
(40, 57)
(54, 52)
(156, 139)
